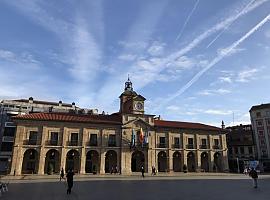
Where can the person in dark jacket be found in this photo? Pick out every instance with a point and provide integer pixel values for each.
(69, 176)
(62, 174)
(253, 174)
(142, 170)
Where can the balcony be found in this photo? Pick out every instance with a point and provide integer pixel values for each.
(203, 146)
(52, 142)
(161, 145)
(73, 143)
(216, 147)
(111, 144)
(92, 143)
(8, 139)
(190, 146)
(176, 146)
(30, 142)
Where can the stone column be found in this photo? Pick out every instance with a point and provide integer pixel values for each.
(63, 159)
(211, 158)
(41, 164)
(102, 161)
(17, 160)
(198, 155)
(83, 160)
(170, 163)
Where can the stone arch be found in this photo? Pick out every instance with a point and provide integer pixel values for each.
(52, 162)
(111, 162)
(137, 161)
(73, 161)
(191, 164)
(205, 161)
(92, 162)
(177, 166)
(30, 162)
(217, 162)
(162, 161)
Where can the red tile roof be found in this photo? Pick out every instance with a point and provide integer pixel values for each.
(185, 125)
(68, 117)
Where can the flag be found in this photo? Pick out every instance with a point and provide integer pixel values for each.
(133, 139)
(141, 136)
(145, 141)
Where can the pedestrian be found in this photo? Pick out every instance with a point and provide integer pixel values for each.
(62, 174)
(153, 170)
(116, 170)
(246, 171)
(254, 175)
(69, 176)
(142, 170)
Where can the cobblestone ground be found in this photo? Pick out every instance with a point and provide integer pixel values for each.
(142, 189)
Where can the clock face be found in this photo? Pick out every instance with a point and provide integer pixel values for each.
(139, 106)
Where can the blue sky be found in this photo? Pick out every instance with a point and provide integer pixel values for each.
(193, 60)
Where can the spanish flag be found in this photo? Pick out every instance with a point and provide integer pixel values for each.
(141, 136)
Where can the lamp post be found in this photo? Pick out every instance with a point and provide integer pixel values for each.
(237, 161)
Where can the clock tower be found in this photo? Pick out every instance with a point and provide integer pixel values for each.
(130, 101)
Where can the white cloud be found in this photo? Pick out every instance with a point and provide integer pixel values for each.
(226, 51)
(127, 57)
(225, 79)
(218, 112)
(267, 33)
(156, 49)
(246, 75)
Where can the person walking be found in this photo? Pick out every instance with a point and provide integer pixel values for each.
(69, 176)
(254, 175)
(142, 170)
(62, 174)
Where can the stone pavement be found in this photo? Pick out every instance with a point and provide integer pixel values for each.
(182, 189)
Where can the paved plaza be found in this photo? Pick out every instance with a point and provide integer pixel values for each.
(200, 188)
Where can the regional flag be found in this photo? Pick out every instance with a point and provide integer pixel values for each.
(145, 141)
(141, 136)
(133, 138)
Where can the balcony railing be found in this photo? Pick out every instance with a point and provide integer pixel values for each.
(203, 146)
(176, 146)
(190, 146)
(216, 147)
(73, 143)
(92, 143)
(111, 144)
(53, 142)
(161, 145)
(30, 142)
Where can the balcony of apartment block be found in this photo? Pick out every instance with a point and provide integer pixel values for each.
(162, 145)
(30, 142)
(203, 146)
(176, 146)
(216, 147)
(7, 139)
(52, 142)
(73, 143)
(111, 144)
(190, 146)
(92, 143)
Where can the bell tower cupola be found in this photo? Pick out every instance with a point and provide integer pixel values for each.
(128, 85)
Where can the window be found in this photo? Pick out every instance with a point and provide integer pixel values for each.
(176, 142)
(268, 113)
(259, 123)
(9, 131)
(190, 141)
(236, 150)
(250, 150)
(54, 138)
(112, 140)
(33, 137)
(93, 140)
(162, 142)
(204, 142)
(74, 139)
(216, 142)
(6, 146)
(258, 114)
(242, 150)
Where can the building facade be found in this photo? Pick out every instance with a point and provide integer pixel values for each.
(124, 141)
(260, 119)
(10, 108)
(241, 147)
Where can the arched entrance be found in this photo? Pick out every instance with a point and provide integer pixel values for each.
(137, 161)
(92, 162)
(52, 162)
(204, 162)
(111, 162)
(177, 166)
(191, 162)
(162, 161)
(73, 161)
(217, 162)
(30, 162)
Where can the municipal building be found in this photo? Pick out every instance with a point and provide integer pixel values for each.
(124, 141)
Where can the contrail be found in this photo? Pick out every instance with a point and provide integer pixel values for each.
(226, 52)
(226, 27)
(190, 14)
